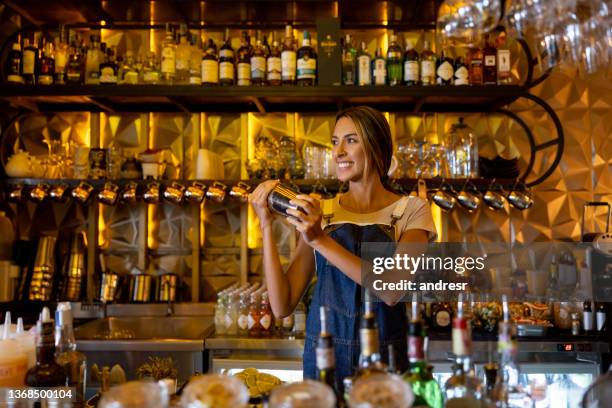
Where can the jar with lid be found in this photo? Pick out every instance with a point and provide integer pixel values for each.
(462, 152)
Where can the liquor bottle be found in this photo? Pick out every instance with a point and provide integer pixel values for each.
(490, 62)
(195, 61)
(306, 63)
(266, 318)
(253, 319)
(461, 72)
(445, 71)
(13, 68)
(258, 65)
(325, 357)
(219, 317)
(394, 63)
(508, 392)
(265, 45)
(441, 317)
(61, 56)
(475, 66)
(130, 72)
(210, 65)
(587, 317)
(299, 320)
(46, 71)
(428, 65)
(600, 318)
(274, 65)
(30, 61)
(364, 61)
(369, 358)
(108, 69)
(150, 70)
(72, 361)
(74, 70)
(47, 372)
(411, 65)
(379, 68)
(183, 56)
(243, 315)
(226, 61)
(288, 58)
(168, 58)
(462, 389)
(349, 55)
(244, 61)
(503, 61)
(426, 390)
(95, 56)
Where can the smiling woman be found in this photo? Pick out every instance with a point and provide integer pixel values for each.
(367, 212)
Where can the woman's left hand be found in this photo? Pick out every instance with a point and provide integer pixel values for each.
(308, 223)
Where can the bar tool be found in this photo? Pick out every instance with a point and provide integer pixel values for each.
(520, 198)
(16, 194)
(195, 193)
(494, 199)
(279, 200)
(129, 195)
(240, 192)
(39, 193)
(57, 193)
(166, 287)
(468, 197)
(76, 268)
(41, 283)
(109, 195)
(82, 192)
(140, 288)
(216, 192)
(108, 287)
(444, 199)
(174, 193)
(151, 193)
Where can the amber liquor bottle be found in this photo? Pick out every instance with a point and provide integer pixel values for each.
(46, 72)
(13, 66)
(74, 69)
(325, 355)
(226, 61)
(46, 373)
(288, 58)
(490, 63)
(274, 65)
(30, 61)
(306, 63)
(258, 64)
(475, 66)
(244, 61)
(210, 65)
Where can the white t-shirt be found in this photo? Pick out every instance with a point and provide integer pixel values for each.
(417, 215)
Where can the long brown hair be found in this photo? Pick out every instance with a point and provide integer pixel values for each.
(375, 134)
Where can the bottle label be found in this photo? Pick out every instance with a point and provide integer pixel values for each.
(107, 75)
(299, 324)
(131, 77)
(489, 60)
(226, 53)
(210, 71)
(151, 76)
(168, 65)
(461, 76)
(445, 71)
(244, 73)
(15, 78)
(195, 80)
(229, 322)
(307, 68)
(428, 70)
(503, 61)
(265, 321)
(274, 68)
(411, 71)
(325, 358)
(288, 63)
(28, 62)
(462, 342)
(380, 72)
(226, 70)
(258, 67)
(251, 322)
(443, 318)
(394, 55)
(363, 67)
(415, 348)
(182, 64)
(60, 61)
(369, 341)
(243, 322)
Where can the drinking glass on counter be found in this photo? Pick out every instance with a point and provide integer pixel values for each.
(215, 390)
(135, 394)
(307, 393)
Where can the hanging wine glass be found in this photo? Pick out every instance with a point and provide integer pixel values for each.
(466, 21)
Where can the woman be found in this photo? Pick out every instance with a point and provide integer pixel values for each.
(330, 241)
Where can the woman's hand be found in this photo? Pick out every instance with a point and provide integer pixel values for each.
(308, 223)
(259, 200)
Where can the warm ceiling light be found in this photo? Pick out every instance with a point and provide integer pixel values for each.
(103, 23)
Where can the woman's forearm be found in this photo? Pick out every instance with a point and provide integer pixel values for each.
(340, 257)
(276, 280)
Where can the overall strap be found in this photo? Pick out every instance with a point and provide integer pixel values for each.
(399, 210)
(327, 207)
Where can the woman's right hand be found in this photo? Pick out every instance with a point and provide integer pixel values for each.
(259, 200)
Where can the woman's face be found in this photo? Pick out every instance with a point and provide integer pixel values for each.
(348, 151)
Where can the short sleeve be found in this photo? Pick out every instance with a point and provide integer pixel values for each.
(418, 216)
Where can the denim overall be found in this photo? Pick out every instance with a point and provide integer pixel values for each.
(343, 298)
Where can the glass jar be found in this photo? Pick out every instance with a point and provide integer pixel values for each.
(462, 151)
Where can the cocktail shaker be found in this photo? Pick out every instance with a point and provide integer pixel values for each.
(76, 268)
(278, 200)
(41, 284)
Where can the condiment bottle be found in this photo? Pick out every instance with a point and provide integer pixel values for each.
(13, 360)
(253, 320)
(266, 319)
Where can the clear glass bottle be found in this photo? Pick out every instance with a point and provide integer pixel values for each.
(299, 320)
(379, 68)
(150, 70)
(266, 318)
(46, 71)
(274, 65)
(461, 72)
(183, 56)
(61, 56)
(349, 55)
(412, 66)
(210, 65)
(325, 354)
(94, 58)
(364, 66)
(231, 314)
(219, 318)
(475, 66)
(244, 61)
(445, 70)
(168, 58)
(30, 61)
(463, 389)
(73, 362)
(13, 65)
(428, 65)
(463, 151)
(109, 69)
(288, 58)
(306, 63)
(395, 69)
(195, 61)
(74, 72)
(490, 62)
(47, 372)
(258, 65)
(226, 61)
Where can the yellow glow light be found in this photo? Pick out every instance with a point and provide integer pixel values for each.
(152, 44)
(436, 213)
(335, 9)
(102, 243)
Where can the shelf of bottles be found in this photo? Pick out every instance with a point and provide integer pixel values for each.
(191, 73)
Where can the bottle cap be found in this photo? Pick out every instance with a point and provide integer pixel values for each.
(7, 326)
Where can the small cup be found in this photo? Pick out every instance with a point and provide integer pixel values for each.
(216, 192)
(129, 195)
(520, 199)
(109, 194)
(494, 200)
(58, 193)
(468, 198)
(174, 193)
(39, 193)
(16, 194)
(443, 199)
(151, 194)
(195, 193)
(82, 192)
(240, 192)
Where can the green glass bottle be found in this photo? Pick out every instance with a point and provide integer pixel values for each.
(326, 362)
(394, 62)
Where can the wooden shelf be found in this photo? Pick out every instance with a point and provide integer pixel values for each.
(186, 98)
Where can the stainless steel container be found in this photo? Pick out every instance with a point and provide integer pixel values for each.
(278, 200)
(140, 288)
(166, 287)
(41, 284)
(76, 268)
(108, 287)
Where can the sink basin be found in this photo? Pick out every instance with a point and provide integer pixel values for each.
(146, 328)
